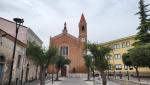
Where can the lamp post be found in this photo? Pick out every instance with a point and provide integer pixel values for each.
(18, 24)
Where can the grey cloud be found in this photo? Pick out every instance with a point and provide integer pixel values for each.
(106, 19)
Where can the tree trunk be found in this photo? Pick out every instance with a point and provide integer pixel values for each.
(42, 75)
(57, 74)
(137, 73)
(104, 79)
(88, 76)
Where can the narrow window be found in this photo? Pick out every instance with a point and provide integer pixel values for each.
(1, 70)
(19, 59)
(1, 40)
(125, 67)
(117, 56)
(118, 67)
(83, 28)
(64, 50)
(127, 43)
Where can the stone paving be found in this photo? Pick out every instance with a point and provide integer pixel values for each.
(69, 81)
(75, 81)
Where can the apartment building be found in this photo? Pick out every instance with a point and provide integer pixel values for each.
(121, 46)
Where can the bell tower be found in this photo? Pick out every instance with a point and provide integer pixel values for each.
(82, 29)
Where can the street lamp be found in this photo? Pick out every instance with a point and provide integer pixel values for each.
(18, 24)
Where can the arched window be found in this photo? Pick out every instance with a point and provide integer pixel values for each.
(64, 50)
(83, 28)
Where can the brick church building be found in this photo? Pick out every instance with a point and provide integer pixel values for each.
(72, 47)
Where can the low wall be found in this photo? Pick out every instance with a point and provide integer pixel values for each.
(126, 82)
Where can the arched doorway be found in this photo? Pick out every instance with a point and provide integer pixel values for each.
(64, 71)
(2, 60)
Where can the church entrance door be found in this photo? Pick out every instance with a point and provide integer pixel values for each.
(64, 71)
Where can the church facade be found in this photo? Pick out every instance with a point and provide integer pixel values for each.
(72, 47)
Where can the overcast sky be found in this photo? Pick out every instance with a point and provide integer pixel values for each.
(106, 19)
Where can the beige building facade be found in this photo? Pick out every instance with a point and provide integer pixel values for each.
(6, 51)
(121, 46)
(22, 65)
(32, 71)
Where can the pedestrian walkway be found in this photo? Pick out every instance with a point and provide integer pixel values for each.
(108, 83)
(73, 81)
(69, 81)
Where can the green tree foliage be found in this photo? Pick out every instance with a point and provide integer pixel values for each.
(60, 63)
(88, 64)
(41, 58)
(101, 63)
(138, 57)
(141, 55)
(126, 59)
(143, 35)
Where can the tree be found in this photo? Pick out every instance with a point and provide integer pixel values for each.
(143, 36)
(127, 61)
(41, 58)
(101, 64)
(88, 64)
(138, 57)
(60, 63)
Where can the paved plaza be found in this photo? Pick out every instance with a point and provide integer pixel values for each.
(70, 81)
(80, 79)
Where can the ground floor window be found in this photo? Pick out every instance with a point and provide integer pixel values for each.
(1, 70)
(118, 67)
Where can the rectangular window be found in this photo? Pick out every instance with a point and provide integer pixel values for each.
(1, 40)
(117, 56)
(127, 43)
(63, 50)
(125, 67)
(18, 62)
(123, 44)
(66, 51)
(108, 57)
(118, 67)
(116, 46)
(131, 68)
(1, 70)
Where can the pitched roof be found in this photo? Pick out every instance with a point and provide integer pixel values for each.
(69, 35)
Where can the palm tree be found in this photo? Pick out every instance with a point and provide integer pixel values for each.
(101, 64)
(88, 64)
(41, 58)
(60, 63)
